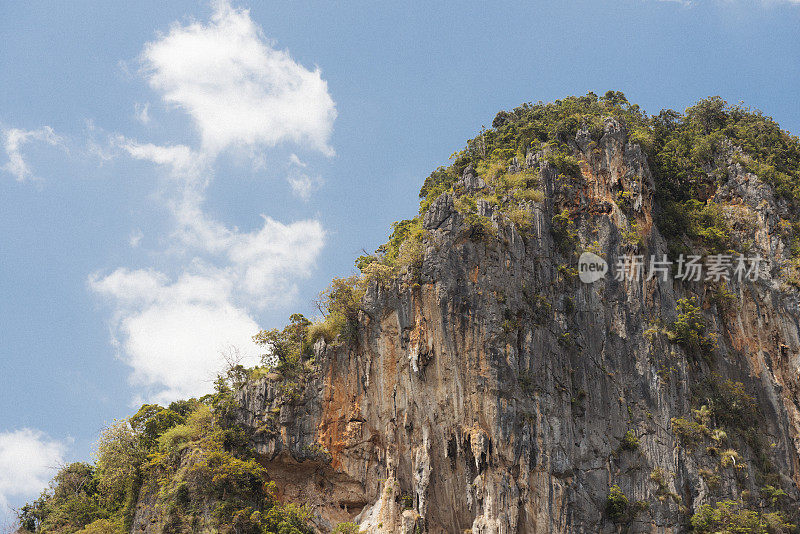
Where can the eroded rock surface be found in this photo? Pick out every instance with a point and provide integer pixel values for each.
(493, 392)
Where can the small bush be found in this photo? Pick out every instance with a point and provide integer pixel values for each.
(404, 247)
(723, 298)
(524, 180)
(731, 458)
(340, 303)
(689, 329)
(712, 478)
(689, 432)
(708, 224)
(102, 526)
(326, 329)
(346, 528)
(629, 441)
(257, 373)
(481, 226)
(565, 163)
(564, 234)
(616, 504)
(773, 495)
(522, 219)
(531, 195)
(170, 441)
(492, 170)
(287, 348)
(376, 271)
(732, 405)
(410, 254)
(465, 205)
(660, 479)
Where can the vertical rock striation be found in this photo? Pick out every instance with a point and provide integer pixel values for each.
(495, 393)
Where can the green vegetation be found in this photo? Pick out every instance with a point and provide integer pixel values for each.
(658, 476)
(340, 304)
(629, 441)
(346, 528)
(727, 419)
(690, 432)
(564, 234)
(773, 495)
(725, 405)
(686, 146)
(403, 253)
(689, 329)
(733, 517)
(616, 504)
(731, 406)
(688, 153)
(191, 459)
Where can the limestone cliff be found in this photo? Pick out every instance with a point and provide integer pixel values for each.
(493, 391)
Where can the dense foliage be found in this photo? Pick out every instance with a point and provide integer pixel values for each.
(731, 517)
(688, 154)
(689, 328)
(190, 462)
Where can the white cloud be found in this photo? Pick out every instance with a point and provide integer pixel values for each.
(294, 160)
(14, 138)
(172, 333)
(28, 459)
(303, 185)
(170, 325)
(268, 261)
(135, 238)
(183, 162)
(142, 112)
(237, 88)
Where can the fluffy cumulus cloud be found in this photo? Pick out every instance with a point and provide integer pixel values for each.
(14, 139)
(27, 461)
(303, 185)
(172, 330)
(172, 333)
(236, 87)
(244, 96)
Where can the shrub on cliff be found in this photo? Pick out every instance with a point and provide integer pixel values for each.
(616, 504)
(288, 347)
(346, 528)
(340, 304)
(563, 231)
(733, 517)
(689, 329)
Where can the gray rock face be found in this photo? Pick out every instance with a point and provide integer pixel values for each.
(494, 394)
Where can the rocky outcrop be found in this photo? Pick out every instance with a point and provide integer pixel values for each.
(496, 393)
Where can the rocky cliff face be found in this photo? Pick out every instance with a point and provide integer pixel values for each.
(493, 391)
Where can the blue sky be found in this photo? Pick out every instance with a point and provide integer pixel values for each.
(177, 175)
